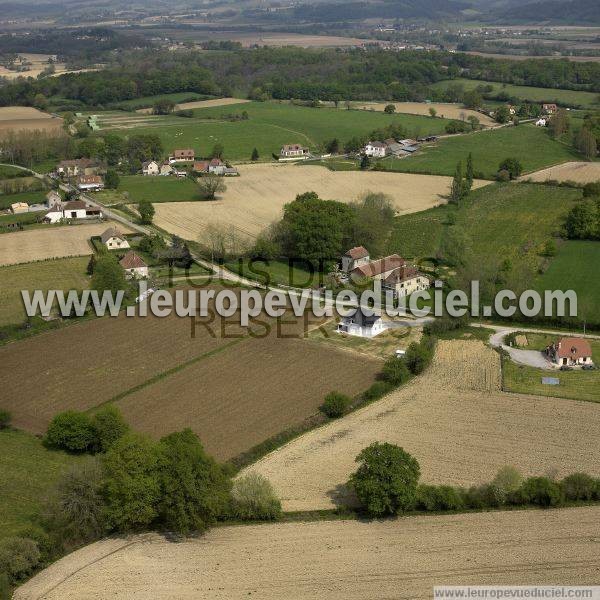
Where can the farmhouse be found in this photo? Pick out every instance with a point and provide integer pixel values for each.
(183, 155)
(361, 324)
(90, 183)
(394, 148)
(570, 352)
(112, 238)
(52, 198)
(19, 207)
(549, 109)
(166, 168)
(293, 151)
(75, 209)
(375, 149)
(405, 280)
(150, 167)
(355, 257)
(378, 269)
(79, 166)
(134, 266)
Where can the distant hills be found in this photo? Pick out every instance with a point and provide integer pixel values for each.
(576, 12)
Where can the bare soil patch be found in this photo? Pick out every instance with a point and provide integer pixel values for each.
(233, 390)
(454, 420)
(579, 172)
(256, 198)
(26, 118)
(402, 558)
(51, 242)
(444, 110)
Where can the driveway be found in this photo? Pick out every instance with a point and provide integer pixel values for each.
(531, 358)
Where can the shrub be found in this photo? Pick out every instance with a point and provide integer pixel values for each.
(254, 498)
(74, 511)
(508, 479)
(439, 497)
(132, 488)
(541, 491)
(395, 371)
(5, 418)
(418, 356)
(194, 489)
(335, 405)
(18, 557)
(45, 543)
(503, 175)
(109, 425)
(512, 166)
(579, 486)
(377, 390)
(72, 431)
(386, 480)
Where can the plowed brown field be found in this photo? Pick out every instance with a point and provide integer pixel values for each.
(454, 420)
(235, 392)
(345, 560)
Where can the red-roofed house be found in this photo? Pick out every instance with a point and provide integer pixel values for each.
(549, 109)
(378, 269)
(569, 351)
(354, 258)
(293, 151)
(183, 155)
(133, 265)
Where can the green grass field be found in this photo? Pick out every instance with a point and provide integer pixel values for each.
(533, 94)
(37, 197)
(501, 222)
(577, 267)
(270, 125)
(62, 273)
(531, 145)
(577, 384)
(275, 272)
(28, 472)
(134, 188)
(147, 101)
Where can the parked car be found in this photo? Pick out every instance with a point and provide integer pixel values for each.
(588, 367)
(566, 368)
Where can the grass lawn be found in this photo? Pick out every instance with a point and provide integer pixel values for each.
(28, 472)
(576, 267)
(8, 172)
(154, 189)
(37, 197)
(531, 145)
(62, 273)
(580, 385)
(271, 124)
(501, 221)
(275, 272)
(534, 94)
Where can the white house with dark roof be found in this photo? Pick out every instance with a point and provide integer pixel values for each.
(150, 167)
(113, 239)
(361, 324)
(406, 280)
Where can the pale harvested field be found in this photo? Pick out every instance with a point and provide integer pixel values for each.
(201, 104)
(446, 110)
(20, 118)
(52, 242)
(454, 420)
(580, 172)
(256, 198)
(402, 558)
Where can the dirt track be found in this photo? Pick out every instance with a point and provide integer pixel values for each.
(454, 420)
(580, 172)
(342, 560)
(256, 198)
(53, 242)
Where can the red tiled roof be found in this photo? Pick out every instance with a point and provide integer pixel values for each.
(402, 274)
(75, 205)
(573, 348)
(90, 179)
(132, 261)
(377, 267)
(185, 153)
(357, 252)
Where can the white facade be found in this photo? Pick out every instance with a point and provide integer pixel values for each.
(116, 242)
(150, 168)
(75, 213)
(351, 326)
(136, 273)
(375, 149)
